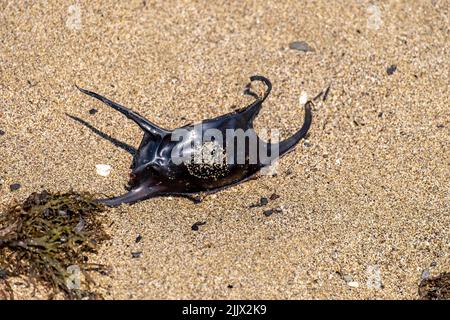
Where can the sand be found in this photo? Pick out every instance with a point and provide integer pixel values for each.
(365, 199)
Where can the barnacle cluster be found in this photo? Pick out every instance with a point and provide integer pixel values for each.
(208, 161)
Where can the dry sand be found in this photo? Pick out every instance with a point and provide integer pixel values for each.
(365, 200)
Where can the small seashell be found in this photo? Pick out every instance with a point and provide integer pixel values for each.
(303, 98)
(103, 169)
(301, 46)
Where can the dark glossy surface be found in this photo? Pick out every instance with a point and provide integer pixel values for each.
(154, 173)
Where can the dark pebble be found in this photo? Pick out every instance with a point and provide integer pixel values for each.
(268, 213)
(138, 238)
(136, 254)
(300, 46)
(15, 186)
(440, 126)
(197, 224)
(263, 201)
(391, 69)
(93, 111)
(197, 200)
(3, 274)
(230, 286)
(2, 132)
(425, 274)
(274, 196)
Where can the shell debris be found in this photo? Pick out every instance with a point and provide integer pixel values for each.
(303, 98)
(103, 169)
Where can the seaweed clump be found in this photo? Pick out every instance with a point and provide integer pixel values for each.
(46, 239)
(436, 288)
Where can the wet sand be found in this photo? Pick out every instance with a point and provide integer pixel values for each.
(365, 199)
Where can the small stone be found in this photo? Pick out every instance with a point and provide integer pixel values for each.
(136, 254)
(425, 274)
(103, 169)
(138, 238)
(262, 202)
(93, 111)
(3, 274)
(390, 70)
(353, 284)
(15, 186)
(230, 286)
(197, 224)
(268, 213)
(347, 278)
(334, 255)
(433, 264)
(301, 46)
(2, 132)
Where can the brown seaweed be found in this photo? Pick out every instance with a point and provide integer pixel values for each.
(47, 237)
(435, 288)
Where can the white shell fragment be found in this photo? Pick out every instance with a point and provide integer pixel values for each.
(303, 98)
(353, 284)
(103, 169)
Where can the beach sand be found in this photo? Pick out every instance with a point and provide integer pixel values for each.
(365, 199)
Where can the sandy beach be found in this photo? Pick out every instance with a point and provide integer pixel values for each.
(364, 200)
